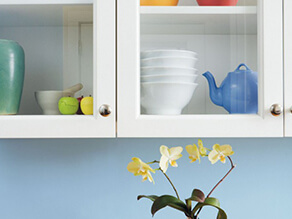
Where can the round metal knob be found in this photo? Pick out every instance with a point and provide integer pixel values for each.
(105, 110)
(276, 109)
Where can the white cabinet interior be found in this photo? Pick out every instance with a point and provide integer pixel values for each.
(58, 45)
(223, 38)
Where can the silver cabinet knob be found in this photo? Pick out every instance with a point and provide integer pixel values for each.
(105, 110)
(276, 109)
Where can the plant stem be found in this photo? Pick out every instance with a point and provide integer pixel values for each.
(155, 161)
(220, 181)
(170, 183)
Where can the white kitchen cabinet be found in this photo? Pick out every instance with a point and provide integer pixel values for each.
(65, 42)
(223, 37)
(82, 41)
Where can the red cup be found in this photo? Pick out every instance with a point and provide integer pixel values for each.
(217, 2)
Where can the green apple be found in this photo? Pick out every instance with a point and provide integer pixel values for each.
(68, 105)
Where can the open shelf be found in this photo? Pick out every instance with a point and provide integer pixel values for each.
(199, 20)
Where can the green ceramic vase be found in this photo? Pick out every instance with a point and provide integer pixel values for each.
(11, 76)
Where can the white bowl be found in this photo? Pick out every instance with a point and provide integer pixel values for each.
(181, 62)
(169, 78)
(167, 71)
(167, 53)
(48, 100)
(162, 98)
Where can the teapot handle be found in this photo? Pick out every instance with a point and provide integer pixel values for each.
(242, 64)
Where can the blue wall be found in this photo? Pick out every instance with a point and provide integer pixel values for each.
(87, 179)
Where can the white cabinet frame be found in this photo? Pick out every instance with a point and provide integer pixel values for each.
(77, 126)
(288, 66)
(132, 124)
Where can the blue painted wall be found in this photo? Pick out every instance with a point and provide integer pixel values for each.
(87, 179)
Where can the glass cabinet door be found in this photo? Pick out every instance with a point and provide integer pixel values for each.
(200, 71)
(69, 49)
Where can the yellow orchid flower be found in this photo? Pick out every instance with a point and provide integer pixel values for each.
(220, 153)
(169, 155)
(138, 167)
(194, 153)
(202, 149)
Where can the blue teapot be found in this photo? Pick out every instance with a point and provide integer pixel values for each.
(238, 92)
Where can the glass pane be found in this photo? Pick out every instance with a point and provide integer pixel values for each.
(58, 45)
(179, 44)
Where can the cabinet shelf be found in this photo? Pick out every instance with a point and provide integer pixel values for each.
(45, 2)
(235, 10)
(85, 126)
(199, 20)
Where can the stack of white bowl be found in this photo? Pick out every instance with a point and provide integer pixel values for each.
(167, 80)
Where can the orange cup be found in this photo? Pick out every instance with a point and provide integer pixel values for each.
(159, 2)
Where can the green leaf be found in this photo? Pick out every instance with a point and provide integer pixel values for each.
(168, 200)
(189, 204)
(211, 202)
(151, 197)
(197, 196)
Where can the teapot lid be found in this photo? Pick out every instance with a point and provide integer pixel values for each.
(247, 69)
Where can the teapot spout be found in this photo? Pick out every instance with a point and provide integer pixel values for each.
(215, 92)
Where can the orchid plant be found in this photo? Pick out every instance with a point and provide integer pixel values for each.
(170, 156)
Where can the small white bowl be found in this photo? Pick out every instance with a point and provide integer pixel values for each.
(181, 62)
(167, 71)
(169, 78)
(161, 98)
(48, 100)
(167, 53)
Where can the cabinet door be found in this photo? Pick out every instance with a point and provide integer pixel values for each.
(149, 105)
(288, 67)
(66, 42)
